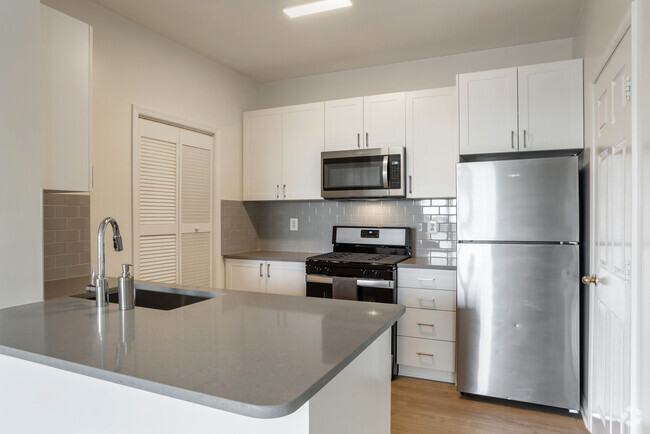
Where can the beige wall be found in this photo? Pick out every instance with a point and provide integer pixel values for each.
(135, 66)
(21, 235)
(405, 76)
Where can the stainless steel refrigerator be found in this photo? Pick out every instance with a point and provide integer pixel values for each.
(518, 280)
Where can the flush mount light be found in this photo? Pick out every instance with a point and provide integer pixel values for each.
(316, 7)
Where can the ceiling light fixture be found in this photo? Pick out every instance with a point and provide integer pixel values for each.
(316, 7)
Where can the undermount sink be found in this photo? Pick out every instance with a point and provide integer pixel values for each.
(161, 300)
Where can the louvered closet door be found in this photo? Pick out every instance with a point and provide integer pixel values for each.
(196, 208)
(156, 179)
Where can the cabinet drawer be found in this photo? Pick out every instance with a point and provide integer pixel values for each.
(438, 355)
(427, 298)
(425, 278)
(428, 324)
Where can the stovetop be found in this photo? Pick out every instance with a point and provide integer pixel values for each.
(359, 258)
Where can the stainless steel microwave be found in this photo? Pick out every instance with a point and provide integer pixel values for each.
(363, 173)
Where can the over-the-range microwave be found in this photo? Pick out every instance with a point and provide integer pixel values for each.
(363, 173)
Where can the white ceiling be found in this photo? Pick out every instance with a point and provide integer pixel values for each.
(257, 39)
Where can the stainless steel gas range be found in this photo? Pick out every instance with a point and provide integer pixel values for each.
(362, 266)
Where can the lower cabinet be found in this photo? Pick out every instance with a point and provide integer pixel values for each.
(426, 333)
(274, 277)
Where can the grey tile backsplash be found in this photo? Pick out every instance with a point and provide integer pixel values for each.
(265, 225)
(66, 235)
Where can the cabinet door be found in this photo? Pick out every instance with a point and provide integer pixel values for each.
(488, 111)
(384, 120)
(431, 142)
(66, 59)
(286, 278)
(344, 124)
(302, 143)
(262, 154)
(551, 106)
(245, 275)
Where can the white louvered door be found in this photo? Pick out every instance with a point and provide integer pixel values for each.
(172, 206)
(196, 208)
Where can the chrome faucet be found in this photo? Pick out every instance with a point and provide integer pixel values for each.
(101, 285)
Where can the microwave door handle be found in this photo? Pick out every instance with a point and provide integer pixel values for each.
(384, 171)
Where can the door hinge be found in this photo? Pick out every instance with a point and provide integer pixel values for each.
(628, 272)
(628, 89)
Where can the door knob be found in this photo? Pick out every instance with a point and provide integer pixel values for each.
(590, 279)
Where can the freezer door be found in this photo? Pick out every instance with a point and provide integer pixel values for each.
(518, 322)
(519, 200)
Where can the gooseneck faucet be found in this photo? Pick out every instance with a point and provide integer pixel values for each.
(101, 285)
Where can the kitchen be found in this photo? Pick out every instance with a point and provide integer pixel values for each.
(139, 76)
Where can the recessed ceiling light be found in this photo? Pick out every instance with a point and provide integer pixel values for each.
(316, 7)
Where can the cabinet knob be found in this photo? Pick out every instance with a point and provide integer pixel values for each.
(591, 279)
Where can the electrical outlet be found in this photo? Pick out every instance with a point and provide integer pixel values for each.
(293, 224)
(432, 227)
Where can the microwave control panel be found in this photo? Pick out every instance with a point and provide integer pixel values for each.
(395, 171)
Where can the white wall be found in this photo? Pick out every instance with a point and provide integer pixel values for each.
(21, 223)
(596, 25)
(133, 65)
(405, 76)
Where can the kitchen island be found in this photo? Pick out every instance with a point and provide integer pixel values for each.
(235, 362)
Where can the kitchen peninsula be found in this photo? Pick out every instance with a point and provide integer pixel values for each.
(234, 362)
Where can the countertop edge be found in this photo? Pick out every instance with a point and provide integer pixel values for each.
(268, 255)
(423, 263)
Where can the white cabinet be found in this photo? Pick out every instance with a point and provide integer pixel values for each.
(426, 333)
(282, 149)
(488, 111)
(431, 142)
(274, 277)
(344, 124)
(384, 120)
(530, 108)
(66, 80)
(302, 143)
(551, 106)
(262, 154)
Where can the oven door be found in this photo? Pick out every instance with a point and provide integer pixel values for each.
(375, 290)
(363, 173)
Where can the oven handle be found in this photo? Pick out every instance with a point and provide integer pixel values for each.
(368, 283)
(384, 171)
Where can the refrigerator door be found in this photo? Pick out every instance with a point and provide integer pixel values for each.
(518, 323)
(519, 200)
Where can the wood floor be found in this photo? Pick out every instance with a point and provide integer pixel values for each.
(421, 406)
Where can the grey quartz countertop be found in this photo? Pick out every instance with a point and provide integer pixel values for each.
(259, 355)
(269, 255)
(423, 262)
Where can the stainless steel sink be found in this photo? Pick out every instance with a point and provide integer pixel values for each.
(159, 298)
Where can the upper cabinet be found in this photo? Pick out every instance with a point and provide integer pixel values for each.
(530, 108)
(66, 80)
(366, 122)
(282, 149)
(431, 142)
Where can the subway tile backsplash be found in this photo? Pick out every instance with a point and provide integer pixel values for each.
(265, 225)
(66, 235)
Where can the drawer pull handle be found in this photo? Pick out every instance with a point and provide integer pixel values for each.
(425, 324)
(420, 299)
(430, 279)
(424, 354)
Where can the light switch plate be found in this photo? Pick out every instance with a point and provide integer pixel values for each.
(293, 224)
(432, 227)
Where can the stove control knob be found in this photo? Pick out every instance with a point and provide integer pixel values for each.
(377, 273)
(328, 271)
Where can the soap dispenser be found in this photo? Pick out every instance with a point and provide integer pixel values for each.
(125, 289)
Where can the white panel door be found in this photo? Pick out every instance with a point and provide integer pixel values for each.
(66, 62)
(384, 120)
(431, 142)
(488, 111)
(551, 106)
(262, 154)
(286, 278)
(610, 328)
(196, 208)
(343, 124)
(155, 199)
(246, 275)
(302, 143)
